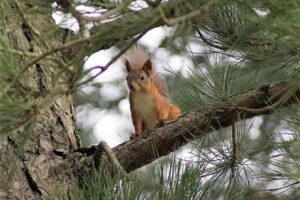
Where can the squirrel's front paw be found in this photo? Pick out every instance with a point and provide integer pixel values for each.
(160, 123)
(134, 135)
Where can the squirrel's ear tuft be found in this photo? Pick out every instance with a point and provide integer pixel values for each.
(128, 68)
(148, 66)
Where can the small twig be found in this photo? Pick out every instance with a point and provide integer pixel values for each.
(83, 29)
(210, 43)
(281, 188)
(105, 67)
(234, 147)
(108, 13)
(56, 49)
(201, 12)
(283, 100)
(49, 52)
(18, 52)
(103, 146)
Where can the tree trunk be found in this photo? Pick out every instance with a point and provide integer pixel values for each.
(27, 170)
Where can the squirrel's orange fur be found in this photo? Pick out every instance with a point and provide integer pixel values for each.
(148, 103)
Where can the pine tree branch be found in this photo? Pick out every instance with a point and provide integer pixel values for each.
(131, 24)
(201, 12)
(149, 18)
(193, 125)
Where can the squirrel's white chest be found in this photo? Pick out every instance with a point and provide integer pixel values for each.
(144, 107)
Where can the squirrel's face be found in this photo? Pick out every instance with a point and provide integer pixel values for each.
(138, 80)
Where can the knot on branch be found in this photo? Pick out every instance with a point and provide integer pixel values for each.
(264, 88)
(103, 147)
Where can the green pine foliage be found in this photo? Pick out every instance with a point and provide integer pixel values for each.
(244, 44)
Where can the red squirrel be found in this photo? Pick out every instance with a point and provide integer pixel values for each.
(148, 102)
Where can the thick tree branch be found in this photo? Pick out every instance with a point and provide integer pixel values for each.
(161, 141)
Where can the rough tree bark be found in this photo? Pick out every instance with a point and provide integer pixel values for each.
(27, 174)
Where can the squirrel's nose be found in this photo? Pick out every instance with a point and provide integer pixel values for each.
(130, 85)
